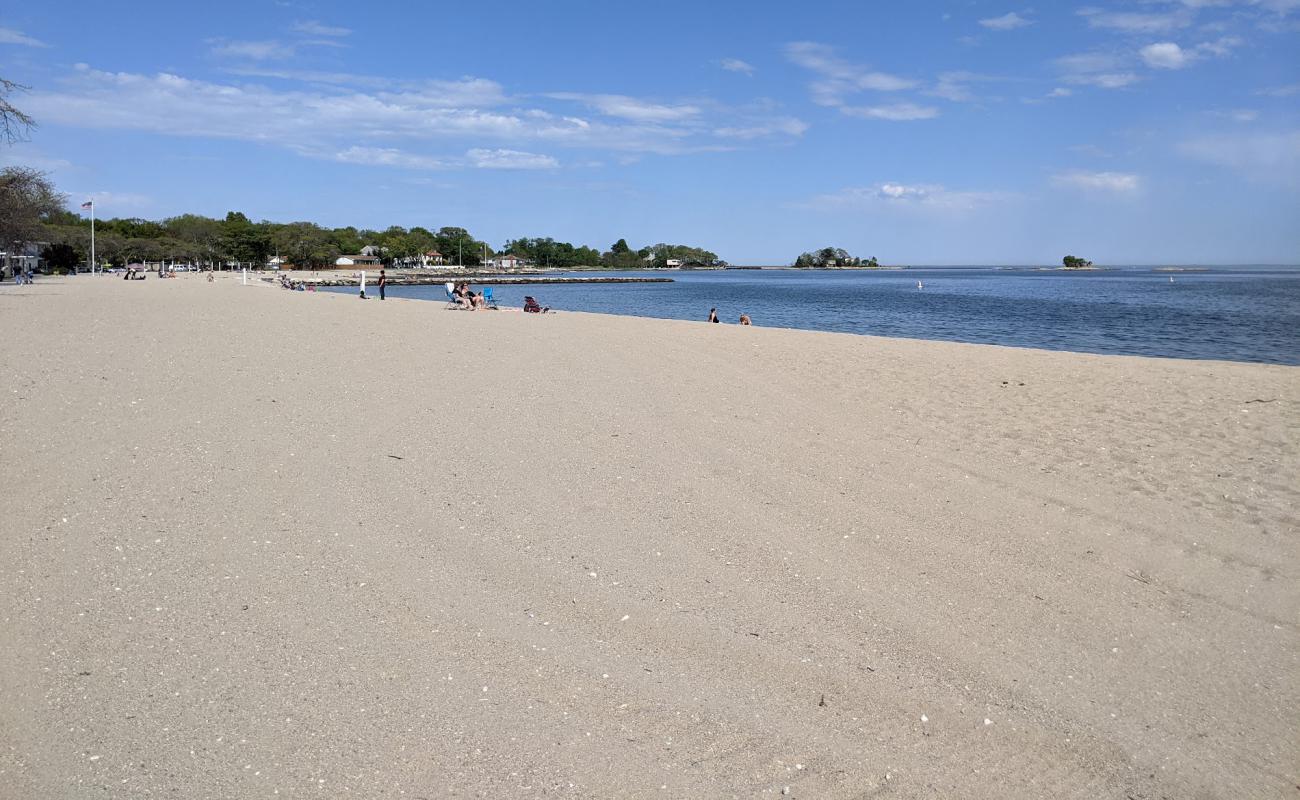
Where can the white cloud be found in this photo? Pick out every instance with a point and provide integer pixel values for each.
(388, 157)
(1165, 55)
(26, 157)
(264, 50)
(624, 107)
(406, 124)
(954, 86)
(1006, 22)
(1275, 156)
(838, 78)
(1168, 55)
(1238, 114)
(11, 36)
(1104, 70)
(1220, 47)
(109, 204)
(312, 27)
(894, 112)
(736, 65)
(931, 197)
(1290, 90)
(510, 159)
(788, 126)
(1132, 22)
(1104, 80)
(1060, 91)
(1114, 182)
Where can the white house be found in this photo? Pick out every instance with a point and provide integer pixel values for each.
(508, 261)
(26, 257)
(356, 261)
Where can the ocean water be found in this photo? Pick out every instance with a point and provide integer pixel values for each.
(1231, 313)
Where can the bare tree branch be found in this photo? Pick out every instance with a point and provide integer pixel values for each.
(14, 124)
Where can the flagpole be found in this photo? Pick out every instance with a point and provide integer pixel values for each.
(92, 237)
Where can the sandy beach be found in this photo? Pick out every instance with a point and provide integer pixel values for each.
(259, 543)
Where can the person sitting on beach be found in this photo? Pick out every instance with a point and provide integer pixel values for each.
(531, 306)
(744, 319)
(713, 315)
(479, 301)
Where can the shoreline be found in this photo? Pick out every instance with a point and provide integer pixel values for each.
(1259, 360)
(506, 553)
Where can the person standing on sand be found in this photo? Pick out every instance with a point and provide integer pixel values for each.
(383, 281)
(713, 315)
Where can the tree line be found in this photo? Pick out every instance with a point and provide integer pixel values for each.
(31, 210)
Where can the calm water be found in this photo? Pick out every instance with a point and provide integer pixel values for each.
(1237, 313)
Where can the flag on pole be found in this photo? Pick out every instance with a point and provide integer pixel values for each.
(86, 205)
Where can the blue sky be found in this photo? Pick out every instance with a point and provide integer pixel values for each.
(921, 133)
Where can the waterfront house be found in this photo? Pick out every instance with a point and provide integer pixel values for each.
(358, 260)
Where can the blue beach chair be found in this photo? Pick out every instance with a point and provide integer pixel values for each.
(488, 300)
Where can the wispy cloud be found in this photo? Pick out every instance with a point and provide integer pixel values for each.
(955, 86)
(314, 28)
(736, 65)
(389, 157)
(1134, 22)
(893, 112)
(1290, 90)
(1267, 156)
(839, 80)
(788, 126)
(1110, 182)
(11, 36)
(902, 196)
(261, 50)
(110, 203)
(510, 159)
(624, 107)
(407, 124)
(1101, 69)
(1006, 22)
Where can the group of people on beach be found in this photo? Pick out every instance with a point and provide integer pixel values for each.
(713, 317)
(465, 297)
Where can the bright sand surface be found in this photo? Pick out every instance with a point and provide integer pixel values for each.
(260, 542)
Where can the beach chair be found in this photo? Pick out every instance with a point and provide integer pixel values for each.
(488, 300)
(452, 302)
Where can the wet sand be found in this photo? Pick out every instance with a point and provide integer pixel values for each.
(258, 543)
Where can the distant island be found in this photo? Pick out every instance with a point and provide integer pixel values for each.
(834, 258)
(1074, 262)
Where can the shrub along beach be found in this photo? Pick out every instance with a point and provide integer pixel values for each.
(261, 542)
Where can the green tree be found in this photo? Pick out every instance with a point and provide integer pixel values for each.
(306, 245)
(242, 241)
(27, 202)
(61, 257)
(1074, 262)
